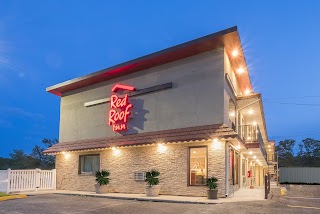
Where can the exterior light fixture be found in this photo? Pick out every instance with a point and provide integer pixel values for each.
(240, 70)
(116, 151)
(250, 153)
(216, 144)
(161, 148)
(250, 111)
(254, 157)
(66, 155)
(232, 114)
(235, 53)
(247, 92)
(269, 146)
(254, 123)
(269, 150)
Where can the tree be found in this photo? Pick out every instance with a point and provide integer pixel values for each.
(285, 152)
(4, 163)
(44, 161)
(20, 160)
(309, 153)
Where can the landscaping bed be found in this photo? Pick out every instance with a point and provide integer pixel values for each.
(5, 196)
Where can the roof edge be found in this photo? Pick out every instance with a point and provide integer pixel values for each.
(53, 89)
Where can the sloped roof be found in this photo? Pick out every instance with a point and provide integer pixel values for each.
(228, 39)
(206, 132)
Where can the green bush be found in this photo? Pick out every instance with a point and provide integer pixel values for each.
(152, 177)
(212, 183)
(102, 177)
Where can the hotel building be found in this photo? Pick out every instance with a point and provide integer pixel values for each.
(188, 111)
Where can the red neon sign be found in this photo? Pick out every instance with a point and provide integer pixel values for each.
(119, 109)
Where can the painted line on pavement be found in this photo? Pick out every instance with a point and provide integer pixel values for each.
(302, 197)
(316, 208)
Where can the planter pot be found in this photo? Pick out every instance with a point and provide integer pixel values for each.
(101, 189)
(212, 194)
(152, 191)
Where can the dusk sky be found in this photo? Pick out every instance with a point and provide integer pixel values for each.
(43, 43)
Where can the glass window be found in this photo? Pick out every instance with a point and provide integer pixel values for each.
(89, 164)
(198, 166)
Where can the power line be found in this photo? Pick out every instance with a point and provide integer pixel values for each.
(297, 104)
(284, 98)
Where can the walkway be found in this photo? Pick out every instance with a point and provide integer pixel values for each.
(240, 195)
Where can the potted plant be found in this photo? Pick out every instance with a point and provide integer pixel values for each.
(152, 188)
(212, 192)
(102, 181)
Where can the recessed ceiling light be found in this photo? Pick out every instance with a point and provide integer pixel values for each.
(240, 70)
(247, 92)
(235, 53)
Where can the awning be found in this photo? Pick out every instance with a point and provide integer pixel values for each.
(207, 132)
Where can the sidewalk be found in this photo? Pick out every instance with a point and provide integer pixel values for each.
(240, 195)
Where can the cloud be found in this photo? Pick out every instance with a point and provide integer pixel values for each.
(23, 113)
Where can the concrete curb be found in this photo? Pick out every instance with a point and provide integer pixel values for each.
(141, 199)
(11, 197)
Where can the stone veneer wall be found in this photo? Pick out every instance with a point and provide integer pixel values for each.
(172, 164)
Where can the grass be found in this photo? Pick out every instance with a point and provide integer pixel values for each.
(3, 194)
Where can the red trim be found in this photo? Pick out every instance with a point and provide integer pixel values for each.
(123, 87)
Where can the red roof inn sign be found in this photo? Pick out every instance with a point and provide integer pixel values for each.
(120, 108)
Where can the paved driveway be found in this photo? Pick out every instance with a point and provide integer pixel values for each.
(77, 204)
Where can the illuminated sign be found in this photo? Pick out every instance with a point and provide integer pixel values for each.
(119, 108)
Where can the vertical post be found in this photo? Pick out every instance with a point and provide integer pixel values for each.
(37, 179)
(9, 177)
(54, 179)
(269, 181)
(265, 186)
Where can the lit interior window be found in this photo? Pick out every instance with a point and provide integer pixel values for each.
(198, 166)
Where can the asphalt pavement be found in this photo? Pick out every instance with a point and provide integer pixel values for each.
(53, 203)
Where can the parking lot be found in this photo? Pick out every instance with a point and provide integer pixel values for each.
(54, 203)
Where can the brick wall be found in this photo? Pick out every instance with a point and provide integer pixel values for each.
(172, 164)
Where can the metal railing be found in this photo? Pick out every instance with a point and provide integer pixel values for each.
(249, 133)
(252, 134)
(272, 158)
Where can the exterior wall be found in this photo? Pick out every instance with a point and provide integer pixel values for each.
(228, 92)
(196, 99)
(172, 164)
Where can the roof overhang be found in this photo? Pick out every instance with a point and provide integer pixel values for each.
(228, 39)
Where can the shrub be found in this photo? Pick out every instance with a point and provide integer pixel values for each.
(152, 177)
(102, 177)
(212, 183)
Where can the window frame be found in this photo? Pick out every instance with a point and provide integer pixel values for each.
(79, 165)
(188, 168)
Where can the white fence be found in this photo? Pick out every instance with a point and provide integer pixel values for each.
(27, 180)
(307, 175)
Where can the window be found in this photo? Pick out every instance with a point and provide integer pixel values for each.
(198, 166)
(89, 164)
